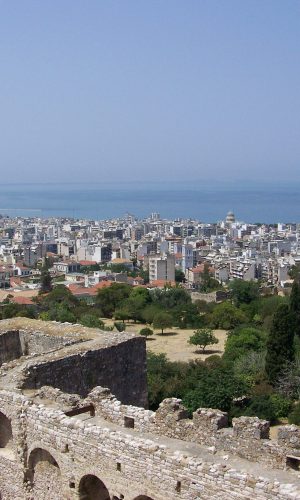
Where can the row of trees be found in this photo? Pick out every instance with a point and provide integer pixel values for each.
(160, 308)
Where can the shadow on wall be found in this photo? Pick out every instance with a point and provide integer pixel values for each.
(5, 432)
(92, 488)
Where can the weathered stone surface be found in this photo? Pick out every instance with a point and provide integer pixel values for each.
(10, 346)
(75, 359)
(85, 443)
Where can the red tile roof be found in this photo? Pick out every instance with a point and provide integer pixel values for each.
(161, 283)
(89, 291)
(24, 301)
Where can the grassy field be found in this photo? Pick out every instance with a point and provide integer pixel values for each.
(174, 343)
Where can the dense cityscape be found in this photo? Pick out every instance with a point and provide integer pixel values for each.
(154, 250)
(205, 315)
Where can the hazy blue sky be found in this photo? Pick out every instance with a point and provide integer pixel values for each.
(134, 89)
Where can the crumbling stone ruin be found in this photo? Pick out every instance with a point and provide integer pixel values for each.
(73, 425)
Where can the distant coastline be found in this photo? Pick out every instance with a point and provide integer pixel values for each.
(108, 200)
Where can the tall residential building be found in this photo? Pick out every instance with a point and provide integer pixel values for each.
(187, 257)
(162, 268)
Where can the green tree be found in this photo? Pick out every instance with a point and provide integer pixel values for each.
(12, 310)
(187, 316)
(227, 316)
(244, 292)
(266, 306)
(134, 305)
(150, 312)
(46, 282)
(294, 416)
(260, 406)
(119, 268)
(179, 276)
(208, 283)
(90, 269)
(111, 298)
(288, 383)
(294, 272)
(59, 295)
(266, 406)
(144, 274)
(165, 378)
(44, 316)
(251, 366)
(146, 332)
(243, 340)
(60, 304)
(162, 321)
(48, 262)
(63, 315)
(91, 321)
(295, 305)
(203, 337)
(280, 343)
(214, 388)
(122, 314)
(169, 298)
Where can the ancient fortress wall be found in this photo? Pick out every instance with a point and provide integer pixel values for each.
(248, 437)
(61, 445)
(73, 358)
(52, 452)
(80, 372)
(10, 346)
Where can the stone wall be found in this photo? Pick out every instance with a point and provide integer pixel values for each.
(121, 367)
(11, 479)
(10, 346)
(128, 463)
(15, 343)
(40, 343)
(248, 437)
(217, 296)
(60, 436)
(47, 482)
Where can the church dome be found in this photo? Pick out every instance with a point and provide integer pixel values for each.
(230, 217)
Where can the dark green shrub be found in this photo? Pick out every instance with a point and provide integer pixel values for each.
(260, 407)
(243, 340)
(214, 388)
(91, 321)
(146, 332)
(268, 407)
(294, 416)
(120, 326)
(282, 406)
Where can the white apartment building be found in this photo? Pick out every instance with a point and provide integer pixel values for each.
(242, 269)
(162, 268)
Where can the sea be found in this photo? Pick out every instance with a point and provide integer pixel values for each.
(101, 201)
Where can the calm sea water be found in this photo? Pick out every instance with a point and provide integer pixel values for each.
(99, 201)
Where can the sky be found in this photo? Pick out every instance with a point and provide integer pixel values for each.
(160, 90)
